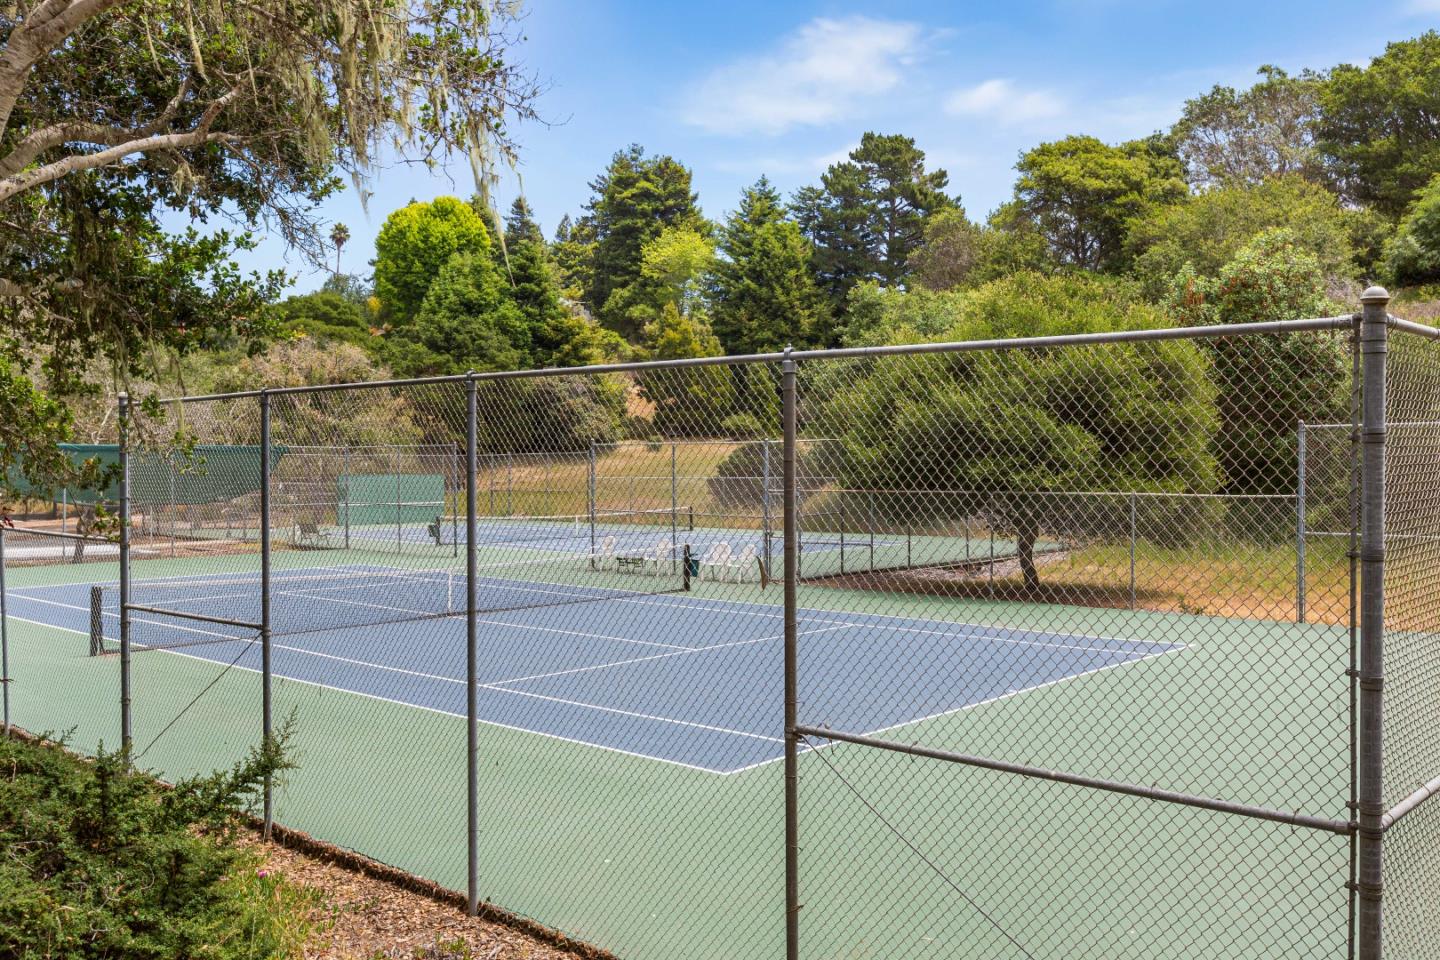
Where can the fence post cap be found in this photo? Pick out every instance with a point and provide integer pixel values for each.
(1376, 294)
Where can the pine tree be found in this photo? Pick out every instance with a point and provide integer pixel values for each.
(868, 214)
(765, 296)
(558, 336)
(635, 199)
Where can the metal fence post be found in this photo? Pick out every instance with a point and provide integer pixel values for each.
(123, 425)
(1132, 551)
(345, 473)
(472, 656)
(460, 458)
(674, 508)
(792, 687)
(766, 521)
(1374, 333)
(590, 497)
(266, 728)
(4, 635)
(1300, 615)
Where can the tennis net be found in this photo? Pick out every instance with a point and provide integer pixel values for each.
(308, 601)
(449, 529)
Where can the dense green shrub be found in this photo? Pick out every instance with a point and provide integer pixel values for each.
(101, 861)
(1413, 255)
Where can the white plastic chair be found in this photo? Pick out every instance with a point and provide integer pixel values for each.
(664, 550)
(607, 550)
(741, 563)
(717, 558)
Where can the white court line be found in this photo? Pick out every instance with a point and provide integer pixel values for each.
(496, 623)
(660, 656)
(445, 713)
(448, 713)
(978, 703)
(632, 713)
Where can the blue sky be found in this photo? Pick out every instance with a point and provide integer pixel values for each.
(743, 88)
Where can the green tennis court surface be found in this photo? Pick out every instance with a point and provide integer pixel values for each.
(648, 843)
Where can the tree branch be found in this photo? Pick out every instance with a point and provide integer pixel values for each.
(40, 33)
(52, 136)
(200, 135)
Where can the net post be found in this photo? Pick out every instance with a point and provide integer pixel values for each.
(64, 519)
(123, 426)
(97, 620)
(399, 499)
(685, 567)
(1374, 334)
(792, 687)
(266, 728)
(1300, 615)
(5, 633)
(472, 655)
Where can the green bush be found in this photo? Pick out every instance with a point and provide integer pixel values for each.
(1413, 255)
(101, 861)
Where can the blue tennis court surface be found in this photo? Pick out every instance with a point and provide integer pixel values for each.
(669, 676)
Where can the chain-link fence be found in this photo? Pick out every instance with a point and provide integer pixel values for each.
(1035, 648)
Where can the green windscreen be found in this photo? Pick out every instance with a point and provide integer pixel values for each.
(391, 497)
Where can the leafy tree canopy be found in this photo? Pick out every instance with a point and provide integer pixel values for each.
(634, 201)
(1080, 194)
(951, 251)
(997, 431)
(112, 114)
(327, 316)
(868, 214)
(1210, 228)
(1267, 385)
(1378, 124)
(413, 245)
(1230, 136)
(468, 321)
(1413, 254)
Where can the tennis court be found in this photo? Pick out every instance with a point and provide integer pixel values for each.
(1060, 662)
(668, 676)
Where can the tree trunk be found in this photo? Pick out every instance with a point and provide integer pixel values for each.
(1027, 531)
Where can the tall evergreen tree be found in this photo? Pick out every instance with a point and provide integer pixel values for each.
(573, 253)
(520, 225)
(635, 199)
(764, 295)
(558, 336)
(868, 214)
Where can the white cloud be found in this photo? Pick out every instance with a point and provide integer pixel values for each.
(1001, 100)
(819, 75)
(1422, 7)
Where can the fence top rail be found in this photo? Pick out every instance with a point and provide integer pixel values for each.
(1316, 324)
